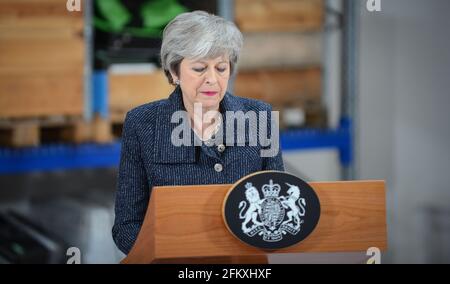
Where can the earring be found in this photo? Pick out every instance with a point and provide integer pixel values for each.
(177, 82)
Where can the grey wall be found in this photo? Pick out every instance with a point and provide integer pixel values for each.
(403, 125)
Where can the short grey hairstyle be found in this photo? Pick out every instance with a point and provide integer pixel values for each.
(199, 35)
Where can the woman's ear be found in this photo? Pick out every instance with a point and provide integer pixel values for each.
(175, 79)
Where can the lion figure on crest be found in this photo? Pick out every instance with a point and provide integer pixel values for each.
(253, 210)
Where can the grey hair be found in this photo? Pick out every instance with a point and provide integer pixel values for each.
(199, 35)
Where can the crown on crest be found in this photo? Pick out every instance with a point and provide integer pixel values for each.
(271, 189)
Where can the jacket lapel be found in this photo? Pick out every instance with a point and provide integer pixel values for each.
(166, 152)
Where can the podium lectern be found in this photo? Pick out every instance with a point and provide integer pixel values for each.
(184, 224)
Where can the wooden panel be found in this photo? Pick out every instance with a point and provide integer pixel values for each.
(36, 55)
(55, 29)
(352, 219)
(280, 15)
(127, 91)
(147, 241)
(186, 221)
(35, 8)
(276, 50)
(41, 94)
(41, 59)
(280, 87)
(48, 18)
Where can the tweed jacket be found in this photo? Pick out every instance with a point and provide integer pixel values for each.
(148, 159)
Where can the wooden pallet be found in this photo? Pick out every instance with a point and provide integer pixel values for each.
(62, 129)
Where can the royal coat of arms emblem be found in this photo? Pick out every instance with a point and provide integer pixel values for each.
(272, 216)
(271, 209)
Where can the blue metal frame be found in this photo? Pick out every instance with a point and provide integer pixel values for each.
(88, 156)
(340, 138)
(59, 157)
(100, 93)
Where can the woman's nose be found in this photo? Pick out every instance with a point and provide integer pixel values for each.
(211, 76)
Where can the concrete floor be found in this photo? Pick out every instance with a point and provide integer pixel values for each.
(75, 206)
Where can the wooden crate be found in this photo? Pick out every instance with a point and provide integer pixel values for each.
(279, 15)
(298, 90)
(277, 50)
(39, 55)
(131, 89)
(41, 94)
(41, 59)
(280, 87)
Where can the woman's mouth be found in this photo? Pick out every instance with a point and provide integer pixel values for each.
(209, 94)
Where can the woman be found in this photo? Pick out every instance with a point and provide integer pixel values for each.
(199, 53)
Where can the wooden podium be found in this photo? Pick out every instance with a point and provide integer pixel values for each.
(184, 224)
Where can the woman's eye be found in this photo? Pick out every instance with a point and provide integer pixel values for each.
(198, 69)
(221, 70)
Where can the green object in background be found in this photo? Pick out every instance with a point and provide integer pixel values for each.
(158, 13)
(116, 15)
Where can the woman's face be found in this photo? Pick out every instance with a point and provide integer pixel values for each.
(204, 81)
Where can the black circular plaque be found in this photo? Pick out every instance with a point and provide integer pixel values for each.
(271, 210)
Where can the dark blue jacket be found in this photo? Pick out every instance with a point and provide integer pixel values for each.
(148, 158)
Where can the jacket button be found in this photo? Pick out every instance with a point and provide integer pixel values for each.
(218, 167)
(221, 148)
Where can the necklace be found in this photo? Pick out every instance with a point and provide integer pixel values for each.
(216, 129)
